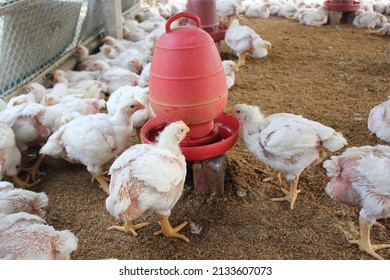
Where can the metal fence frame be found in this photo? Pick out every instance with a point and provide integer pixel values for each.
(26, 57)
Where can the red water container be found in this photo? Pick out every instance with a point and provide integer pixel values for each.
(206, 10)
(187, 81)
(342, 5)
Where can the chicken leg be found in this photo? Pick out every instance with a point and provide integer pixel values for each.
(33, 170)
(242, 59)
(102, 181)
(22, 184)
(275, 175)
(290, 195)
(167, 229)
(129, 227)
(364, 242)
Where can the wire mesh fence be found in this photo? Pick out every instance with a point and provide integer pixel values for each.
(34, 34)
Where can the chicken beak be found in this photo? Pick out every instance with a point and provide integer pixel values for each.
(139, 106)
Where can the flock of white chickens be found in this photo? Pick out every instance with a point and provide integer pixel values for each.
(89, 115)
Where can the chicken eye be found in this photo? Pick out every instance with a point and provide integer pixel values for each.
(238, 111)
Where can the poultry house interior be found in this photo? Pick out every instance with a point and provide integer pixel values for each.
(334, 74)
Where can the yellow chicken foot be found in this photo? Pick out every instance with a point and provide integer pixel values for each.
(104, 175)
(242, 59)
(102, 181)
(22, 184)
(275, 175)
(167, 229)
(290, 195)
(364, 242)
(379, 225)
(33, 171)
(129, 227)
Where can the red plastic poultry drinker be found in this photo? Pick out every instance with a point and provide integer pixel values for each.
(206, 10)
(187, 83)
(342, 5)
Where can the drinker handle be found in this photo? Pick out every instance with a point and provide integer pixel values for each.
(179, 15)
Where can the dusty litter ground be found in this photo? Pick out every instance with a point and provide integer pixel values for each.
(332, 74)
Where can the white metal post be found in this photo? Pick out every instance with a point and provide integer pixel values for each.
(113, 18)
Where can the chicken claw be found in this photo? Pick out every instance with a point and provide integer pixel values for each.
(33, 171)
(22, 184)
(129, 227)
(103, 181)
(364, 242)
(369, 248)
(289, 195)
(275, 175)
(167, 229)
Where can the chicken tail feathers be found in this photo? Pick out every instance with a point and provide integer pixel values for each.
(336, 142)
(67, 243)
(53, 147)
(41, 200)
(332, 166)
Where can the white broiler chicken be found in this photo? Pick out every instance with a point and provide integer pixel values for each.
(257, 10)
(229, 8)
(34, 93)
(74, 76)
(115, 77)
(90, 88)
(286, 142)
(122, 44)
(58, 91)
(244, 41)
(33, 124)
(384, 30)
(141, 116)
(106, 53)
(149, 177)
(14, 200)
(379, 121)
(10, 156)
(313, 16)
(274, 6)
(132, 31)
(229, 68)
(94, 140)
(26, 237)
(368, 19)
(130, 59)
(145, 74)
(360, 178)
(287, 10)
(380, 6)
